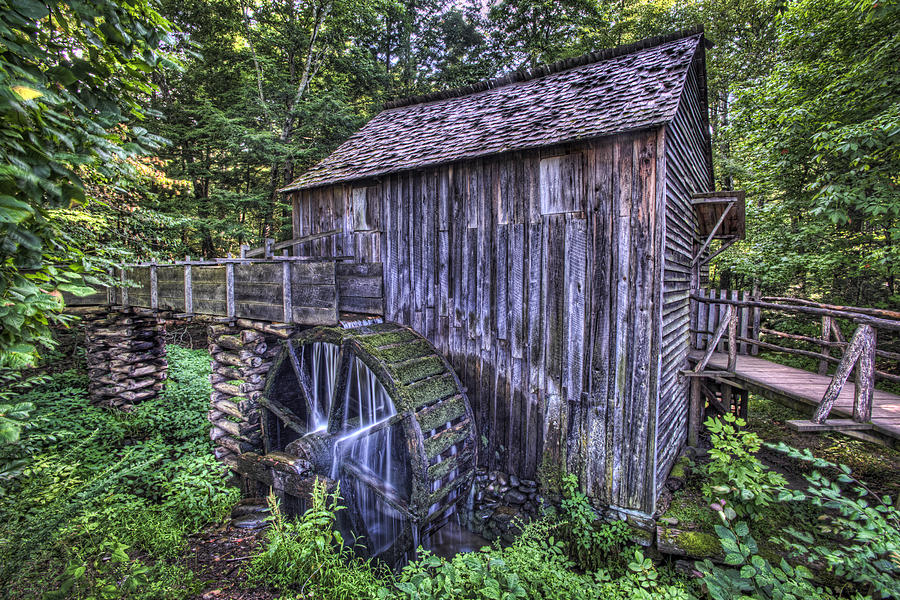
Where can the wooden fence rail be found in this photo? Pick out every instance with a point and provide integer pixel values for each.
(278, 289)
(715, 312)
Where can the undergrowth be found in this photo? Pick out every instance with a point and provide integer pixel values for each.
(304, 558)
(102, 501)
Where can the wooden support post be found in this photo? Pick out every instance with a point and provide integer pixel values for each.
(287, 291)
(732, 340)
(244, 249)
(754, 349)
(124, 294)
(865, 379)
(229, 289)
(695, 412)
(188, 287)
(826, 336)
(269, 248)
(744, 324)
(154, 287)
(851, 355)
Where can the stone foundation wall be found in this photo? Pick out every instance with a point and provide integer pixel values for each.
(126, 356)
(499, 502)
(242, 354)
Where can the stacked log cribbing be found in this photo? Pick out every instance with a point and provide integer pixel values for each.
(242, 354)
(126, 356)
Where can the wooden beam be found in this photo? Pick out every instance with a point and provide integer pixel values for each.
(261, 251)
(809, 310)
(857, 344)
(726, 244)
(712, 233)
(711, 344)
(831, 425)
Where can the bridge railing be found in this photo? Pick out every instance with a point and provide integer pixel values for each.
(731, 321)
(281, 289)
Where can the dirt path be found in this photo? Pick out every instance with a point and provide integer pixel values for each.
(218, 557)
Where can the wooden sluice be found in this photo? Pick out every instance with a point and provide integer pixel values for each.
(297, 290)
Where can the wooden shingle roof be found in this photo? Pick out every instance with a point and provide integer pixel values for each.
(627, 88)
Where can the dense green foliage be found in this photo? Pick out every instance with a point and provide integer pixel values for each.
(735, 473)
(74, 78)
(304, 557)
(93, 483)
(835, 538)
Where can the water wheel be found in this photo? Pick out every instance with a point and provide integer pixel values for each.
(380, 412)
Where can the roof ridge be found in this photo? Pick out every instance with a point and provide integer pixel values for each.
(547, 69)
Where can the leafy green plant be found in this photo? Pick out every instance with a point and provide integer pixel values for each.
(734, 472)
(857, 537)
(748, 574)
(592, 541)
(91, 477)
(307, 554)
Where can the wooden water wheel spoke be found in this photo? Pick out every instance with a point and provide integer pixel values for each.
(379, 487)
(302, 378)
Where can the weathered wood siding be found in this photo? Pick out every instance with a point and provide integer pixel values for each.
(687, 172)
(543, 299)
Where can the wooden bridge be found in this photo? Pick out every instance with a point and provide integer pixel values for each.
(279, 289)
(727, 336)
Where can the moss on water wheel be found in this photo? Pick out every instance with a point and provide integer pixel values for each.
(326, 403)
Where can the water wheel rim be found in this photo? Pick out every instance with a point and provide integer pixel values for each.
(432, 413)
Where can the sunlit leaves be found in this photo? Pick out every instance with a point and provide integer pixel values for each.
(73, 77)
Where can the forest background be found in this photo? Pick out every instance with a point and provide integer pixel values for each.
(136, 130)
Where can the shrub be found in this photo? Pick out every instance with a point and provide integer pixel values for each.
(592, 542)
(856, 538)
(734, 472)
(93, 479)
(306, 555)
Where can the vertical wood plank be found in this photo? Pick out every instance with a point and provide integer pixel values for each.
(825, 337)
(229, 289)
(865, 379)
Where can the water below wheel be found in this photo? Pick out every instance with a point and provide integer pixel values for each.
(379, 411)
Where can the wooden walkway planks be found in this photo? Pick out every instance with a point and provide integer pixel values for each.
(807, 388)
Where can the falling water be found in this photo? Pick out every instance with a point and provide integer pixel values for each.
(369, 455)
(320, 360)
(371, 476)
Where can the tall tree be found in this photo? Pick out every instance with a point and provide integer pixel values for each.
(74, 78)
(820, 137)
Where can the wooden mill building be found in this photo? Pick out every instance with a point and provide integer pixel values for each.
(540, 229)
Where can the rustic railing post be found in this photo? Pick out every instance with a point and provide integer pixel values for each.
(754, 349)
(269, 248)
(154, 286)
(716, 338)
(851, 355)
(732, 338)
(188, 287)
(229, 289)
(865, 378)
(826, 337)
(695, 412)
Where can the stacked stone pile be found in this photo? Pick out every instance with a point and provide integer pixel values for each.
(242, 355)
(500, 503)
(126, 356)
